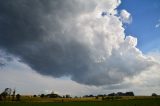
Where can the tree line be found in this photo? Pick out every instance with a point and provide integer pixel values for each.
(9, 94)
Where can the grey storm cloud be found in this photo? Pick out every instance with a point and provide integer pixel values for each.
(62, 38)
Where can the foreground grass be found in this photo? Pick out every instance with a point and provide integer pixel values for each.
(142, 102)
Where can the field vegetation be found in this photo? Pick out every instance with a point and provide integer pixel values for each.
(9, 98)
(107, 101)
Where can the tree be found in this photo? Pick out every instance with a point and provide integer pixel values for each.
(13, 95)
(97, 97)
(0, 97)
(68, 96)
(6, 92)
(129, 94)
(154, 94)
(34, 95)
(111, 94)
(4, 95)
(42, 95)
(18, 97)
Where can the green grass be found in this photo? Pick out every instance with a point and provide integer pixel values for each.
(142, 102)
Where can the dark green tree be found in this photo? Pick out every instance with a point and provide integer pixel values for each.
(34, 96)
(13, 95)
(42, 95)
(154, 94)
(6, 92)
(18, 96)
(1, 97)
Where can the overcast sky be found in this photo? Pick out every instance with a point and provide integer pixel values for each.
(80, 47)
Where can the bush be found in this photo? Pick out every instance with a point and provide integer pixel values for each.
(18, 96)
(34, 95)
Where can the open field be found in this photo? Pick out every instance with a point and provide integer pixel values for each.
(137, 101)
(151, 102)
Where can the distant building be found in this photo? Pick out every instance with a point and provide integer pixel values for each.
(53, 95)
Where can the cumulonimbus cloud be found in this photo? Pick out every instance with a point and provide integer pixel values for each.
(71, 38)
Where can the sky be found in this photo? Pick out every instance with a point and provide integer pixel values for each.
(80, 47)
(145, 23)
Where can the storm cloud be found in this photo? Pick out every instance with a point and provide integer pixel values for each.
(71, 38)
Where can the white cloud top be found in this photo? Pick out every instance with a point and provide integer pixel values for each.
(125, 16)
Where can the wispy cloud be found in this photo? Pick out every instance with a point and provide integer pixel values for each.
(158, 24)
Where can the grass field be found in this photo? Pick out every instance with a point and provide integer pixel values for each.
(131, 102)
